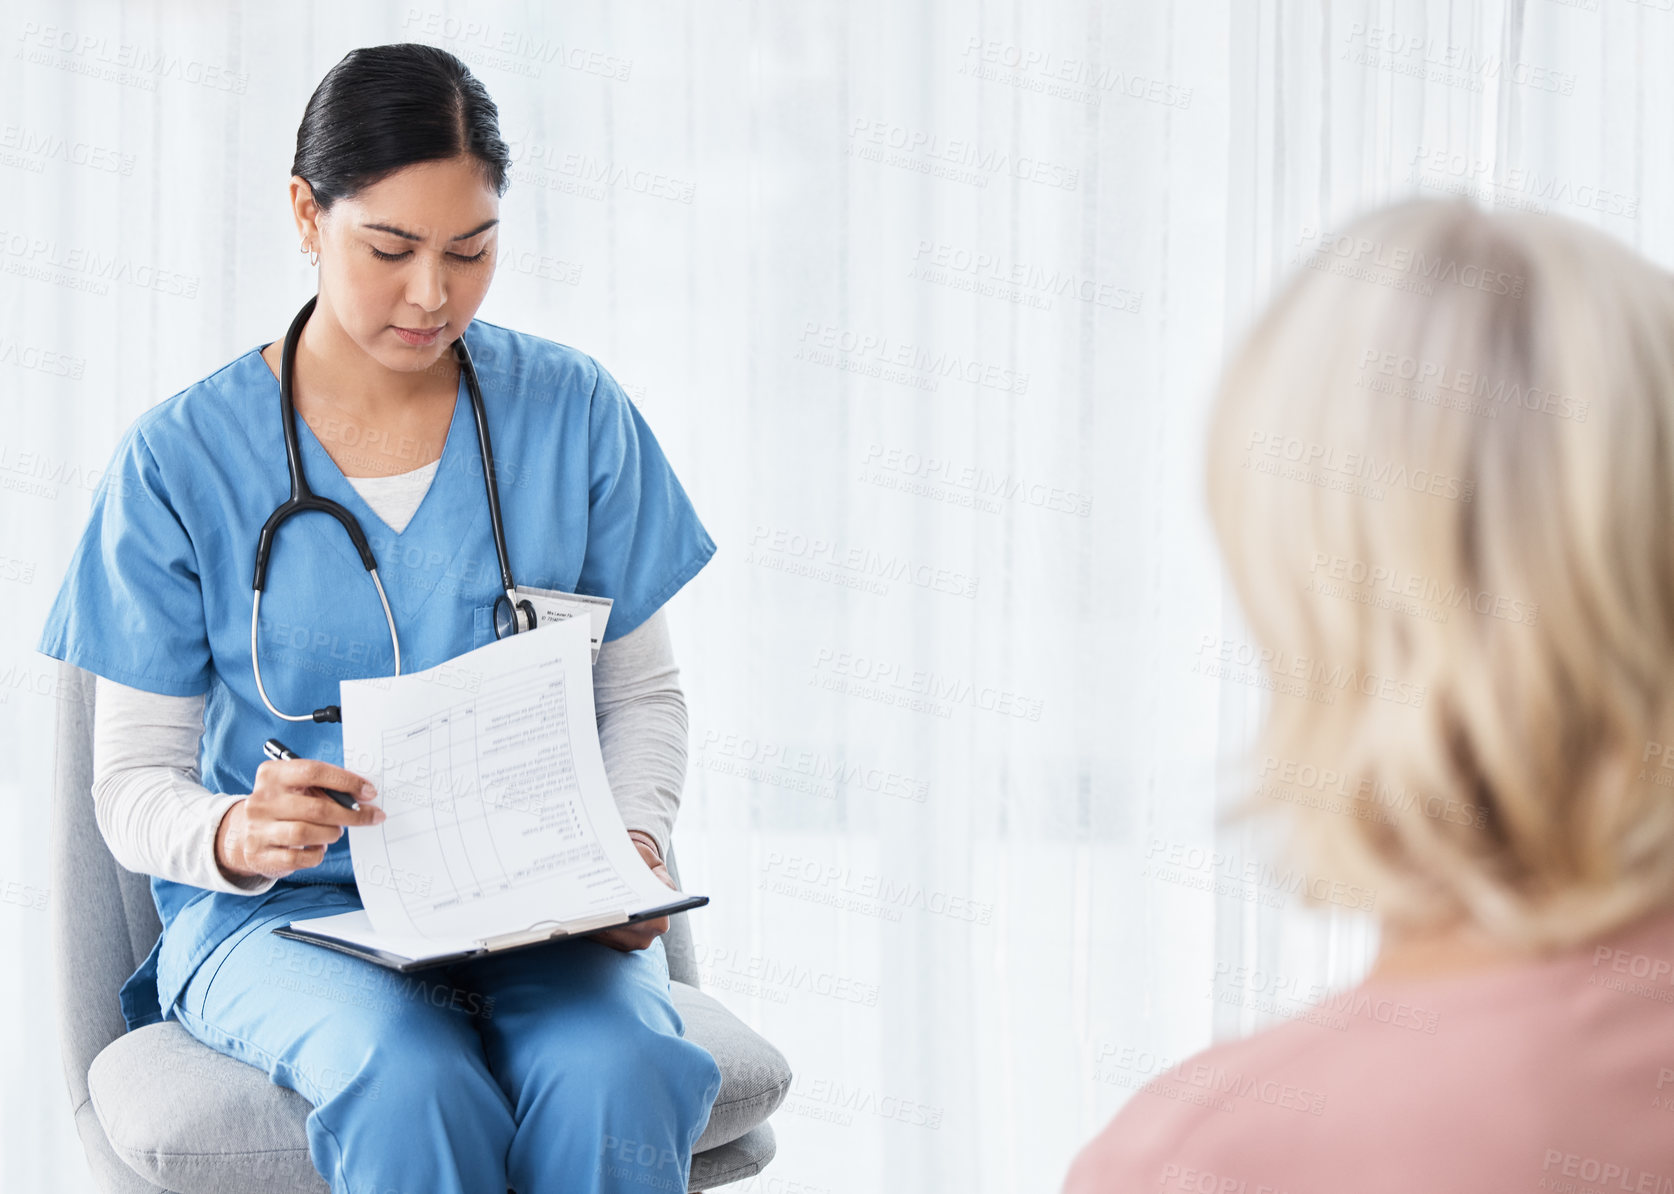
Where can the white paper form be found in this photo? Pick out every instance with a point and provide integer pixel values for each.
(499, 816)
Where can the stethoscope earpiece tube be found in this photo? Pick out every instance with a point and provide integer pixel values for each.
(304, 499)
(490, 482)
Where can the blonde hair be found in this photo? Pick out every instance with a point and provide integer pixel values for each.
(1442, 465)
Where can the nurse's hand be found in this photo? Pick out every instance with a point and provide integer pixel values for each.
(641, 934)
(285, 825)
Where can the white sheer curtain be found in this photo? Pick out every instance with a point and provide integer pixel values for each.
(924, 301)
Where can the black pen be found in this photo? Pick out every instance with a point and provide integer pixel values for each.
(275, 749)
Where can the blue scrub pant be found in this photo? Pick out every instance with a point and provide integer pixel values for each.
(556, 1068)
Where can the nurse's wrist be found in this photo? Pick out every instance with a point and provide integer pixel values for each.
(229, 840)
(641, 836)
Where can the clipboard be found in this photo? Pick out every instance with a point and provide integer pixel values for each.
(499, 943)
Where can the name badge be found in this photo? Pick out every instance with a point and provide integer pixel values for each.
(552, 605)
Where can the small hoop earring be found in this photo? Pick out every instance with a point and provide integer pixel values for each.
(314, 257)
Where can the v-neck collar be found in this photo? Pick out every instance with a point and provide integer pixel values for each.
(315, 460)
(450, 526)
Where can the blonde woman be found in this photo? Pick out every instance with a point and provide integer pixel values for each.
(1444, 457)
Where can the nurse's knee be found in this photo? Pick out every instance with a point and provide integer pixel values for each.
(655, 1090)
(417, 1113)
(636, 1057)
(397, 1072)
(629, 1162)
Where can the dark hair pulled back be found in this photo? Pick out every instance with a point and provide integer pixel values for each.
(385, 107)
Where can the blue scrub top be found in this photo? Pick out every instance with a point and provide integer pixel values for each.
(158, 592)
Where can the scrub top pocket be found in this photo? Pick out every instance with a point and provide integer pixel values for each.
(482, 625)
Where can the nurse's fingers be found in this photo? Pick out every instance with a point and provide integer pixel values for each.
(286, 837)
(628, 938)
(283, 813)
(641, 934)
(317, 773)
(307, 808)
(279, 861)
(291, 788)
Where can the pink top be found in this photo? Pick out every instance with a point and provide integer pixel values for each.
(1547, 1076)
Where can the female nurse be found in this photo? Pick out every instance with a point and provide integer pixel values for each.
(561, 1068)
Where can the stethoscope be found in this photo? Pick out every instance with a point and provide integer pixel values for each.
(511, 614)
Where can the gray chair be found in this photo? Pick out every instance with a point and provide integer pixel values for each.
(158, 1110)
